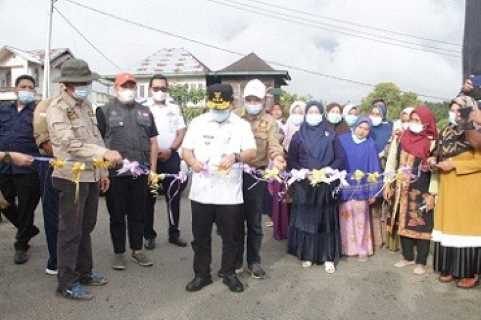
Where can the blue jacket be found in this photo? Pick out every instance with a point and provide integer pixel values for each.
(16, 134)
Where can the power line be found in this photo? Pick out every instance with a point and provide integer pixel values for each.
(211, 46)
(404, 34)
(317, 25)
(86, 39)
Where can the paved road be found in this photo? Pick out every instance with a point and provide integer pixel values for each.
(358, 291)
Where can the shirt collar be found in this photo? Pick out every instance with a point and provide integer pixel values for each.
(70, 101)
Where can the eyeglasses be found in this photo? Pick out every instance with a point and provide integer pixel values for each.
(163, 89)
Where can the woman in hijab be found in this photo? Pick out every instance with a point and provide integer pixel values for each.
(294, 121)
(457, 229)
(314, 235)
(392, 236)
(334, 118)
(354, 218)
(350, 113)
(415, 206)
(381, 133)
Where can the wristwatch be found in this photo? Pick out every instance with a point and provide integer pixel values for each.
(237, 157)
(7, 157)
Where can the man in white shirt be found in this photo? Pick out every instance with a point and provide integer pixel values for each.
(171, 127)
(216, 145)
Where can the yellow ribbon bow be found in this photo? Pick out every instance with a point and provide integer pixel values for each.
(358, 175)
(57, 163)
(272, 174)
(154, 180)
(101, 164)
(373, 177)
(317, 176)
(77, 169)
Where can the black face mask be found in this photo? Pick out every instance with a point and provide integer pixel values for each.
(475, 93)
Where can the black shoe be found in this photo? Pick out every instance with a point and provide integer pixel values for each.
(233, 283)
(21, 256)
(178, 242)
(149, 244)
(198, 283)
(256, 271)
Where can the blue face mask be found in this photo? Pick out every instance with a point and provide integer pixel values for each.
(313, 119)
(25, 97)
(351, 119)
(82, 92)
(220, 115)
(357, 140)
(334, 118)
(254, 109)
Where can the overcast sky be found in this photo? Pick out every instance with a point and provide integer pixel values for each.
(24, 23)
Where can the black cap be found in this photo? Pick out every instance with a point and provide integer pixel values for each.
(219, 96)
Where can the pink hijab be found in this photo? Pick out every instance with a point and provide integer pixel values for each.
(290, 127)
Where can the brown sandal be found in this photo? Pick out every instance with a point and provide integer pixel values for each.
(446, 278)
(467, 283)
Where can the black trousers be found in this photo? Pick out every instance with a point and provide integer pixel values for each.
(422, 249)
(76, 221)
(252, 217)
(171, 166)
(22, 191)
(228, 219)
(50, 211)
(126, 198)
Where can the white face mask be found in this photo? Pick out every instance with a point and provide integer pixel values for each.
(357, 140)
(296, 119)
(254, 108)
(159, 96)
(376, 120)
(416, 127)
(452, 118)
(126, 95)
(82, 92)
(313, 119)
(334, 118)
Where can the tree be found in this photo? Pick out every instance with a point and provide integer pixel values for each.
(183, 95)
(287, 98)
(395, 99)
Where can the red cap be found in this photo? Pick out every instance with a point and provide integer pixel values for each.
(123, 78)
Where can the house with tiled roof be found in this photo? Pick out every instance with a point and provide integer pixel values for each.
(15, 62)
(247, 68)
(179, 65)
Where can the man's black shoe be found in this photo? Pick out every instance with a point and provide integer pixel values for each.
(256, 271)
(21, 256)
(233, 283)
(198, 283)
(149, 244)
(178, 242)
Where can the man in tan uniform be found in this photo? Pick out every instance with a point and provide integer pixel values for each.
(266, 132)
(75, 137)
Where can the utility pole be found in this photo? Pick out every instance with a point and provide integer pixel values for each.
(46, 63)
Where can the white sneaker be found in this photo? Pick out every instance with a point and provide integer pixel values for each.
(239, 271)
(306, 264)
(330, 267)
(51, 272)
(419, 270)
(404, 263)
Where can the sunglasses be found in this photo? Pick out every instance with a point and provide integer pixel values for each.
(163, 89)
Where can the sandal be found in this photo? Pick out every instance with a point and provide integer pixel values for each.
(330, 267)
(404, 263)
(467, 283)
(446, 278)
